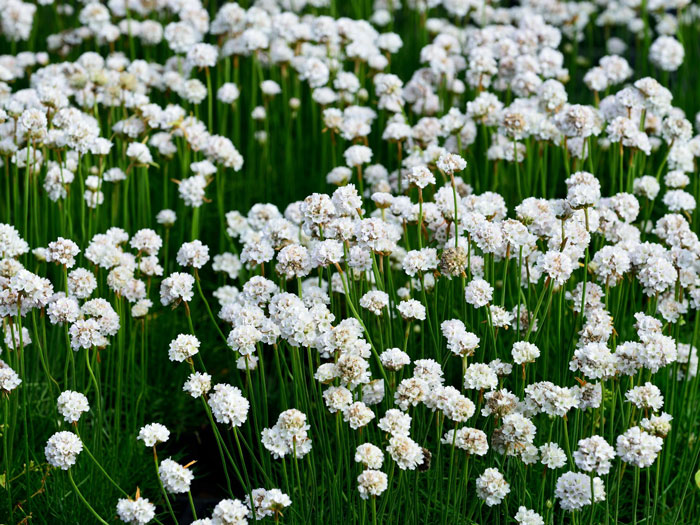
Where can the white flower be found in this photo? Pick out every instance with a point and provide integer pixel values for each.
(62, 449)
(515, 434)
(202, 55)
(243, 338)
(574, 490)
(230, 512)
(176, 479)
(395, 422)
(357, 155)
(371, 483)
(411, 310)
(552, 456)
(594, 454)
(524, 352)
(139, 153)
(524, 516)
(71, 405)
(406, 452)
(375, 301)
(558, 266)
(62, 251)
(288, 436)
(471, 440)
(480, 376)
(492, 487)
(293, 261)
(153, 433)
(183, 347)
(478, 293)
(420, 176)
(666, 53)
(450, 163)
(369, 455)
(228, 405)
(136, 512)
(87, 333)
(647, 397)
(176, 287)
(194, 254)
(638, 448)
(394, 359)
(9, 380)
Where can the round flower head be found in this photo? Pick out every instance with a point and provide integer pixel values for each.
(87, 333)
(293, 261)
(405, 452)
(410, 392)
(646, 186)
(558, 266)
(450, 163)
(62, 449)
(228, 93)
(594, 360)
(146, 241)
(594, 454)
(375, 301)
(371, 483)
(420, 177)
(524, 352)
(177, 287)
(81, 283)
(499, 402)
(524, 516)
(573, 490)
(666, 53)
(478, 293)
(139, 154)
(194, 254)
(357, 155)
(176, 479)
(153, 433)
(228, 405)
(166, 217)
(658, 426)
(471, 440)
(357, 415)
(552, 456)
(459, 341)
(202, 55)
(63, 310)
(411, 310)
(9, 380)
(183, 347)
(71, 405)
(480, 376)
(230, 512)
(369, 455)
(514, 436)
(491, 487)
(647, 397)
(395, 422)
(273, 502)
(197, 384)
(638, 448)
(140, 308)
(394, 359)
(136, 512)
(62, 251)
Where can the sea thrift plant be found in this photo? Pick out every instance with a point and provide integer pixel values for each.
(369, 261)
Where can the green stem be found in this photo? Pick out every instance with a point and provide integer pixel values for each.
(82, 498)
